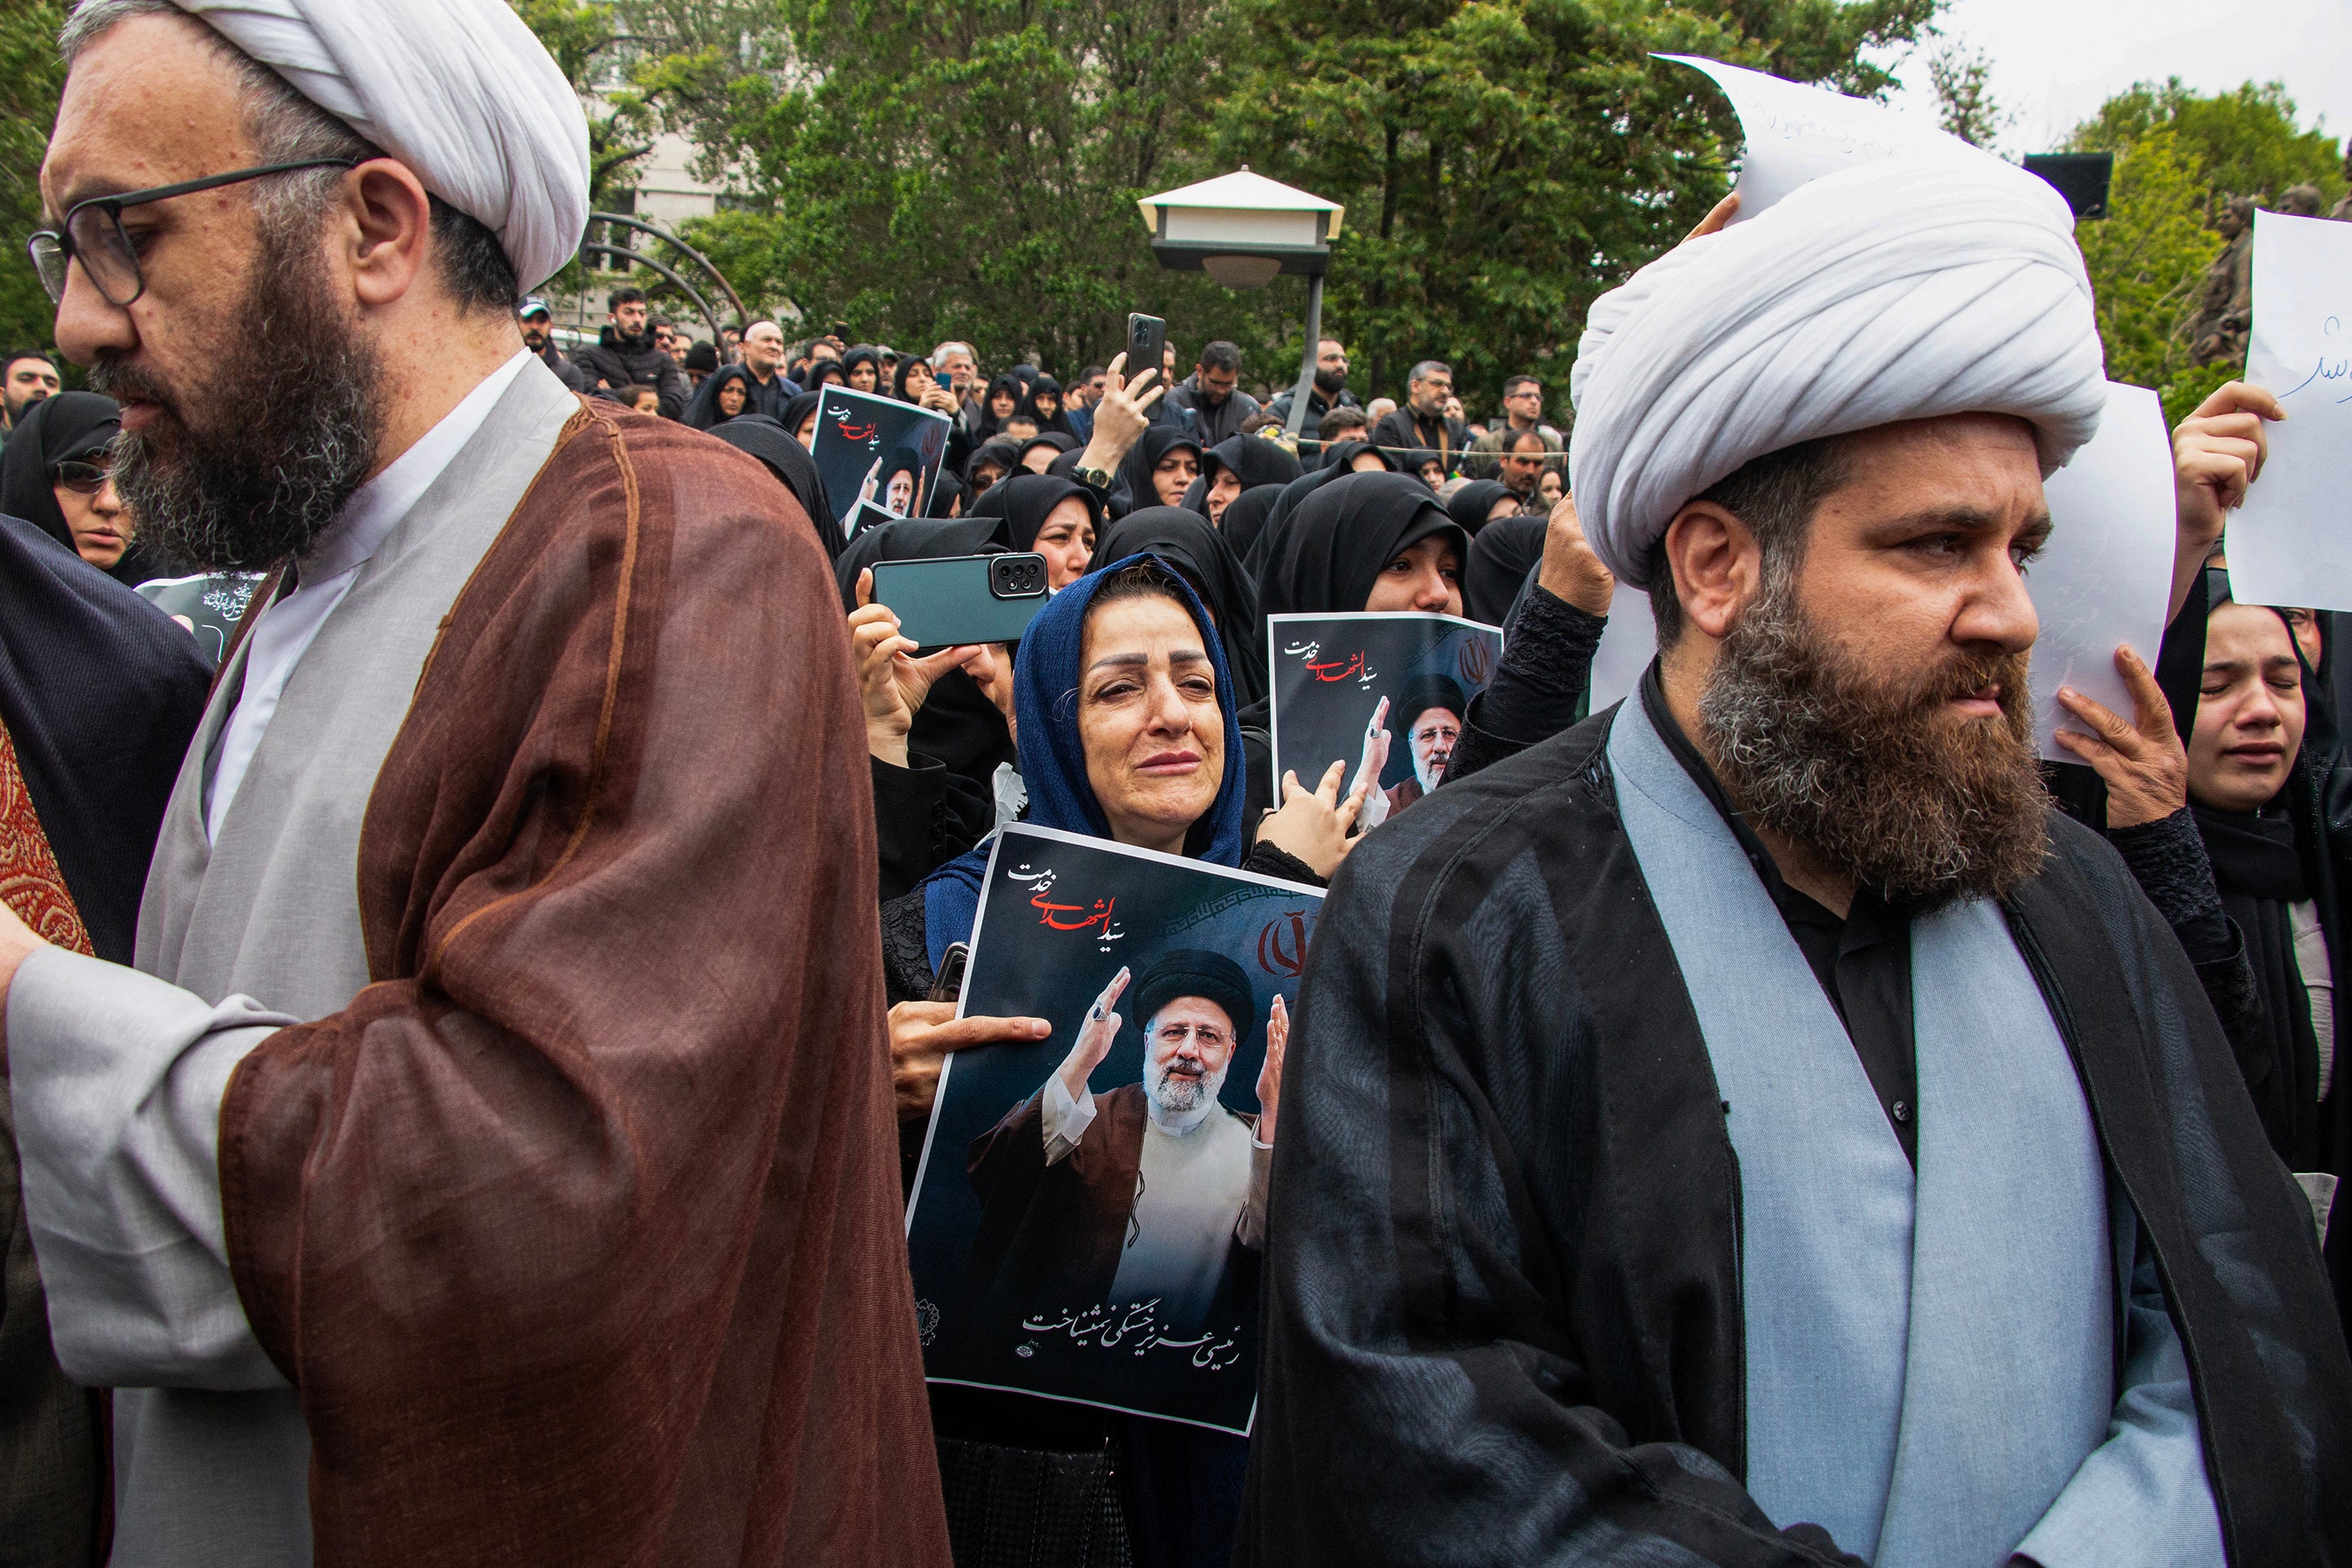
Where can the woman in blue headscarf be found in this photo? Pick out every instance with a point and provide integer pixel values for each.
(1124, 717)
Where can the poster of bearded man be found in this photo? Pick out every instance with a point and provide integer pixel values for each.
(1087, 1221)
(1387, 692)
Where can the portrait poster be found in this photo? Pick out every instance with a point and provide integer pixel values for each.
(878, 449)
(863, 515)
(1337, 679)
(1104, 1246)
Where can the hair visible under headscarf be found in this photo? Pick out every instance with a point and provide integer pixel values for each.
(704, 412)
(1134, 488)
(1881, 293)
(1054, 759)
(1198, 553)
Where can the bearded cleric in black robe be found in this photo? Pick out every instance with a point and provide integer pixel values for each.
(1144, 1193)
(1750, 1127)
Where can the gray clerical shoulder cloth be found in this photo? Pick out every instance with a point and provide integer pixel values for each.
(265, 925)
(1931, 1362)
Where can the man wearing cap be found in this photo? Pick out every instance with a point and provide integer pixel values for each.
(1751, 1128)
(538, 324)
(1429, 715)
(488, 1155)
(1142, 1194)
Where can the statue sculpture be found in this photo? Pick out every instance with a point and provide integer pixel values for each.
(2302, 201)
(2226, 308)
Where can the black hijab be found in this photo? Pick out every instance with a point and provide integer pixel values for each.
(60, 429)
(1244, 520)
(1056, 439)
(1184, 539)
(1469, 505)
(1005, 454)
(1026, 500)
(899, 376)
(1294, 495)
(1250, 460)
(956, 726)
(1502, 556)
(797, 412)
(1056, 423)
(866, 354)
(945, 491)
(1134, 489)
(1010, 382)
(786, 459)
(822, 370)
(703, 413)
(101, 692)
(1326, 556)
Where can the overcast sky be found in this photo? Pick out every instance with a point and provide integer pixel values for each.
(2056, 62)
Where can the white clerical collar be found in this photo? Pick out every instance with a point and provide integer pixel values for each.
(379, 504)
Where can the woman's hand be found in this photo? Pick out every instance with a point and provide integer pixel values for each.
(1571, 571)
(940, 400)
(2144, 763)
(1121, 416)
(2216, 452)
(1095, 1036)
(1314, 825)
(921, 1036)
(891, 682)
(1269, 1076)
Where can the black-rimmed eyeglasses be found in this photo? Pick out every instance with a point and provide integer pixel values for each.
(94, 236)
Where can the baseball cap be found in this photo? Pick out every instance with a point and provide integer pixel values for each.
(533, 305)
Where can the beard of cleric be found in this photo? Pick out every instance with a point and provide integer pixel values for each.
(251, 469)
(1182, 1087)
(1875, 774)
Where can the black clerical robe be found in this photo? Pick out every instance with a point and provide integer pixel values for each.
(1504, 1317)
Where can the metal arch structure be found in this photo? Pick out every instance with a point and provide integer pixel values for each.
(704, 264)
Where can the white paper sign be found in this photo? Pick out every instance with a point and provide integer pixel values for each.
(2290, 544)
(2105, 577)
(1797, 133)
(1628, 643)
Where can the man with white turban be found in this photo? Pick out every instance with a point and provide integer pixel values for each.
(488, 1156)
(1749, 1128)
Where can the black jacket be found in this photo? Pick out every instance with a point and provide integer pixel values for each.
(1402, 428)
(567, 372)
(1310, 429)
(618, 362)
(1212, 424)
(1503, 1284)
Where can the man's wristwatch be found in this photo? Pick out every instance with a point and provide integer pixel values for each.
(1094, 478)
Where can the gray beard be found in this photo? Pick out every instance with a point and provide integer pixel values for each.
(1180, 1104)
(253, 467)
(1872, 776)
(1431, 775)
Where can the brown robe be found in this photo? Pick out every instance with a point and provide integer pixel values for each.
(578, 1231)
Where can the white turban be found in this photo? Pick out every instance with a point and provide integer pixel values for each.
(1894, 290)
(462, 91)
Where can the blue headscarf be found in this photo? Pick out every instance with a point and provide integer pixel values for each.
(1054, 758)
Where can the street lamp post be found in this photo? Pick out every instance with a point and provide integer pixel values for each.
(1245, 230)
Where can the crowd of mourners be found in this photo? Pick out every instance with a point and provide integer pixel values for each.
(471, 1026)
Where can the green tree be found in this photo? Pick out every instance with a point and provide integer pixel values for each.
(1504, 162)
(2243, 142)
(1962, 79)
(30, 78)
(2179, 155)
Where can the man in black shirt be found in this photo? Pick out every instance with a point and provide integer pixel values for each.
(1750, 1128)
(1422, 423)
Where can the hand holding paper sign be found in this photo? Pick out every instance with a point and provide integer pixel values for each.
(2217, 454)
(921, 1036)
(1269, 1076)
(2144, 763)
(1313, 825)
(1096, 1038)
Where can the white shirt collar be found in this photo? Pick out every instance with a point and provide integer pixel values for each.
(379, 504)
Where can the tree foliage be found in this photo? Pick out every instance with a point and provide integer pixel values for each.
(30, 78)
(1961, 79)
(929, 169)
(2179, 155)
(2243, 142)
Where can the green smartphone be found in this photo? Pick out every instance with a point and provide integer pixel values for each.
(949, 601)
